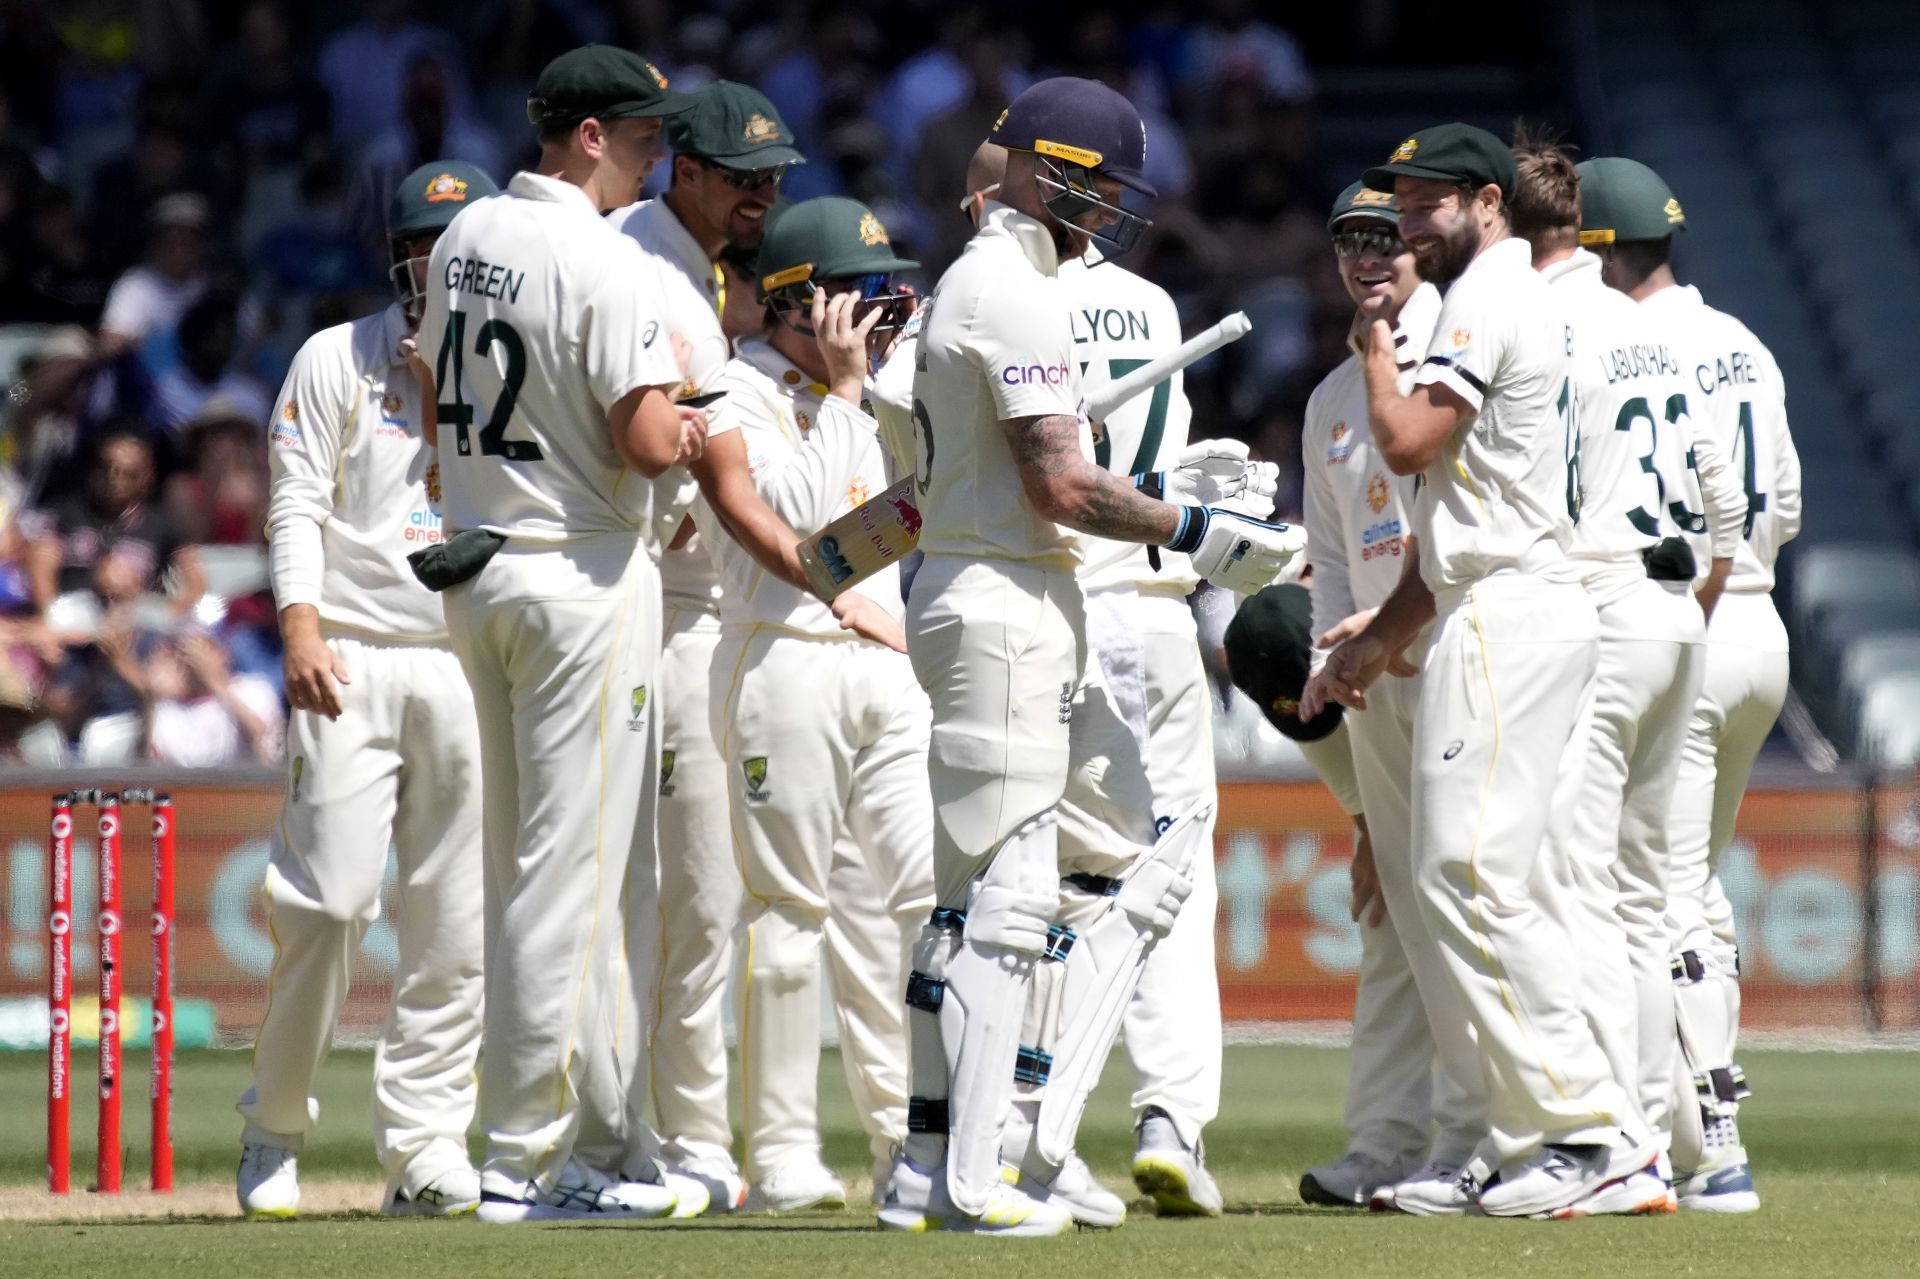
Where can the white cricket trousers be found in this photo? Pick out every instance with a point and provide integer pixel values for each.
(400, 770)
(1508, 680)
(1172, 1026)
(825, 746)
(1415, 1077)
(700, 901)
(1652, 659)
(559, 643)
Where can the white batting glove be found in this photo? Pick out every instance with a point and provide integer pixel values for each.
(1216, 473)
(1236, 551)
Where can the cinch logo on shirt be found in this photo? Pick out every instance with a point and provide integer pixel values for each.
(1023, 374)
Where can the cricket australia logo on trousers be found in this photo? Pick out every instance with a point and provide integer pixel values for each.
(755, 770)
(637, 719)
(666, 774)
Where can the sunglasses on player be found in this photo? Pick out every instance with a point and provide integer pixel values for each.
(1374, 242)
(793, 303)
(748, 179)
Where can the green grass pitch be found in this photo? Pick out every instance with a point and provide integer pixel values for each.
(1835, 1140)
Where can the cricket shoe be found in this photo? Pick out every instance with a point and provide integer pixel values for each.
(718, 1176)
(799, 1184)
(268, 1182)
(1349, 1181)
(454, 1193)
(1638, 1194)
(1077, 1190)
(1556, 1177)
(578, 1194)
(691, 1197)
(1173, 1174)
(1724, 1183)
(917, 1201)
(1440, 1189)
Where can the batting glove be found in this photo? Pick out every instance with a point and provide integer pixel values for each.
(1216, 473)
(1236, 551)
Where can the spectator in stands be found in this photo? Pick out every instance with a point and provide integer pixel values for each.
(430, 125)
(219, 497)
(361, 64)
(206, 371)
(199, 714)
(151, 297)
(58, 275)
(163, 159)
(27, 649)
(40, 450)
(263, 103)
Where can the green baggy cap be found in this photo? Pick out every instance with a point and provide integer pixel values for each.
(1270, 657)
(1622, 199)
(829, 238)
(1362, 201)
(427, 198)
(734, 126)
(1449, 153)
(601, 81)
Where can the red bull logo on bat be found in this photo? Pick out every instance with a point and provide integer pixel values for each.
(909, 515)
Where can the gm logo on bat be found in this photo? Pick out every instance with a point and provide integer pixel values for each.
(837, 566)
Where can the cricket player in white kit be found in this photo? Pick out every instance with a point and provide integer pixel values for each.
(1405, 1009)
(381, 751)
(730, 148)
(1508, 672)
(1649, 473)
(1021, 720)
(830, 812)
(1629, 216)
(555, 379)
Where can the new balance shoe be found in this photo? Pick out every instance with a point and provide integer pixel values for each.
(1080, 1192)
(454, 1193)
(917, 1201)
(1723, 1184)
(797, 1185)
(1556, 1177)
(1440, 1189)
(268, 1182)
(579, 1193)
(1638, 1194)
(1349, 1181)
(1172, 1173)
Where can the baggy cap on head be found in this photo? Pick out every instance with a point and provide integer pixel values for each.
(829, 238)
(1622, 199)
(735, 126)
(1362, 201)
(427, 198)
(1449, 153)
(601, 81)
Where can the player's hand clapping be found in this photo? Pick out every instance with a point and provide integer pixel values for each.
(843, 341)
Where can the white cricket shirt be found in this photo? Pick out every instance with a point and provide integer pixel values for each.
(813, 457)
(536, 324)
(1355, 508)
(1495, 498)
(1120, 322)
(996, 346)
(354, 484)
(1733, 375)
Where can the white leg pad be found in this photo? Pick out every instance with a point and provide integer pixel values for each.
(1103, 970)
(984, 1004)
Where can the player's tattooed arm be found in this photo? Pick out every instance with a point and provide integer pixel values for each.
(1067, 488)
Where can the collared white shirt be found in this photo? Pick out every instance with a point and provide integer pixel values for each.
(996, 346)
(1355, 508)
(1495, 498)
(1733, 381)
(539, 317)
(813, 457)
(354, 483)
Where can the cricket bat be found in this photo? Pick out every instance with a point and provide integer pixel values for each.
(886, 529)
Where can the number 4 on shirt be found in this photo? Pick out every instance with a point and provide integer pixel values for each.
(458, 414)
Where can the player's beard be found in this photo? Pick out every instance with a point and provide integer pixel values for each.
(1443, 260)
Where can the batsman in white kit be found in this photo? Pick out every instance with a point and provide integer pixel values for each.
(1629, 217)
(381, 752)
(1649, 473)
(1022, 724)
(1416, 1100)
(823, 732)
(554, 380)
(1507, 674)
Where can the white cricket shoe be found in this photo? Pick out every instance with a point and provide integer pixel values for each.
(268, 1182)
(917, 1201)
(1556, 1177)
(1723, 1183)
(1638, 1194)
(725, 1188)
(644, 1192)
(1440, 1189)
(1077, 1190)
(1173, 1174)
(1349, 1181)
(454, 1193)
(579, 1193)
(797, 1185)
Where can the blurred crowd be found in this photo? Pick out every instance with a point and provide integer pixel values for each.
(189, 188)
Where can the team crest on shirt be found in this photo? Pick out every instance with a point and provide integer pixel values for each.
(805, 422)
(1377, 493)
(446, 187)
(1404, 152)
(433, 483)
(666, 774)
(1342, 448)
(637, 709)
(755, 771)
(1459, 338)
(857, 493)
(871, 232)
